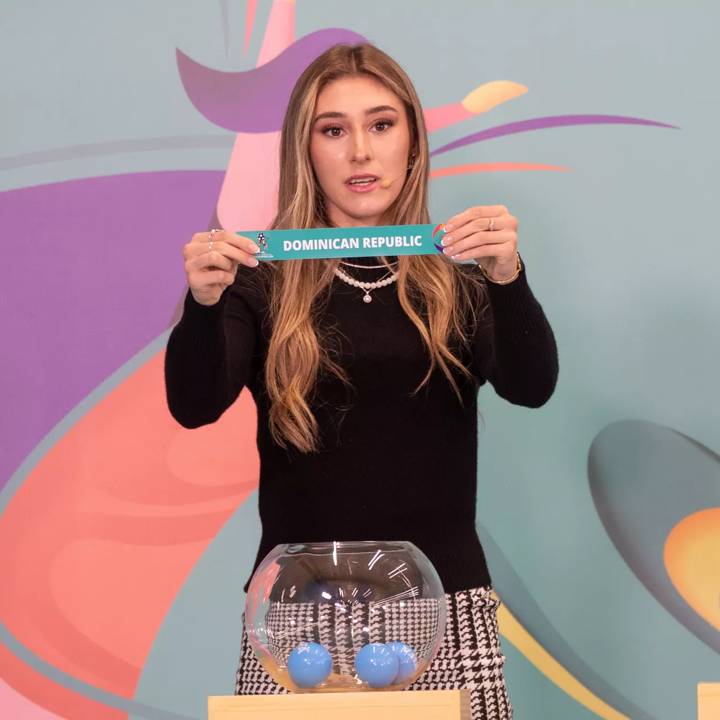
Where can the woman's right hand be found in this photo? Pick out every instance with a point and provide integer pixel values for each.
(211, 266)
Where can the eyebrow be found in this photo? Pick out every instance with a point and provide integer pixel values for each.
(369, 111)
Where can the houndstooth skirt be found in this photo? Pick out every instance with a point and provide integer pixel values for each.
(469, 657)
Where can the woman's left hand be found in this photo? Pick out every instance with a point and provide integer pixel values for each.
(468, 235)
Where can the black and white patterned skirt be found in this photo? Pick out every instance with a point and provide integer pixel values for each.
(469, 657)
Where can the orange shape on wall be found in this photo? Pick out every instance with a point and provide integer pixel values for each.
(692, 560)
(106, 528)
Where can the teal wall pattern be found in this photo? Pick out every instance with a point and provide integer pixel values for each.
(126, 127)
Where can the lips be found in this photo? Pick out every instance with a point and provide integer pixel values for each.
(362, 183)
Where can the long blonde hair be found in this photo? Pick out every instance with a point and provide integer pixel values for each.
(428, 284)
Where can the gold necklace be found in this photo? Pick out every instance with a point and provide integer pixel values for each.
(368, 267)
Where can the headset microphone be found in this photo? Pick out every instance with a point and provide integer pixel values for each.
(385, 183)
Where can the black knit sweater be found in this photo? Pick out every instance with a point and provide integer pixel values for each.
(392, 465)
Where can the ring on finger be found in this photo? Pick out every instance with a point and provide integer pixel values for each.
(491, 227)
(211, 238)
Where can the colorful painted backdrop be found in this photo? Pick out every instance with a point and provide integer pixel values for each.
(126, 539)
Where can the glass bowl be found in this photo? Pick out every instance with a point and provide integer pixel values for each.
(345, 616)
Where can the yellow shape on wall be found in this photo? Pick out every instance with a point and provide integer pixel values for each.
(692, 560)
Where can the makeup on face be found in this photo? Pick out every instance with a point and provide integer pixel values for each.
(359, 149)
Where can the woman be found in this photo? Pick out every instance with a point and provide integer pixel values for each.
(367, 413)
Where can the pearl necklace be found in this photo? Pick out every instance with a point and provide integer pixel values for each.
(366, 286)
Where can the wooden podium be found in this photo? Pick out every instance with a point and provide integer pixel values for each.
(380, 705)
(708, 701)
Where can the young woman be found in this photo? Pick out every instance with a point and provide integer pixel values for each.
(367, 410)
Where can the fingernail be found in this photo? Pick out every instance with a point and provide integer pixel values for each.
(448, 228)
(254, 247)
(446, 240)
(257, 262)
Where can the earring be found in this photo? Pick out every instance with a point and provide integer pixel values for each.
(412, 162)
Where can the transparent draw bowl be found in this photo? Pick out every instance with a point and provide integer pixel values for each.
(345, 616)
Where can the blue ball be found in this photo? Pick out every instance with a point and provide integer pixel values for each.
(377, 665)
(407, 660)
(309, 664)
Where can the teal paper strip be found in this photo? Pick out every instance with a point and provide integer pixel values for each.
(372, 241)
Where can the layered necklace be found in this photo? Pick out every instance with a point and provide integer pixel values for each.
(387, 279)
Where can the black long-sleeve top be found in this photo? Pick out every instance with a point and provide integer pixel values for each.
(392, 466)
